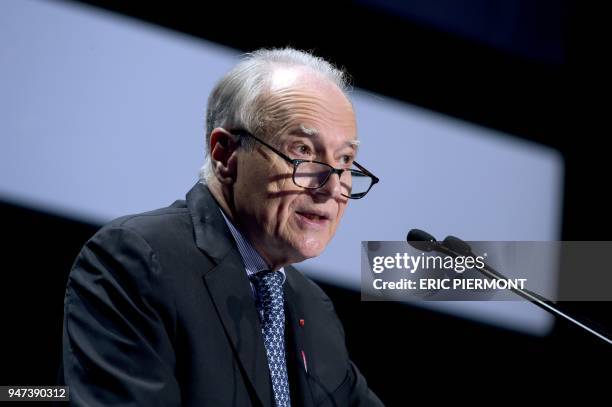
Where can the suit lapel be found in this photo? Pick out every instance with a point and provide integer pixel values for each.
(230, 290)
(301, 361)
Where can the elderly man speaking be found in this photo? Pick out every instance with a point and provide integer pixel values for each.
(196, 304)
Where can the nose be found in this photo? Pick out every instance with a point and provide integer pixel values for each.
(332, 187)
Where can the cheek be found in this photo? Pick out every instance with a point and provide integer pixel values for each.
(277, 193)
(341, 209)
(279, 213)
(283, 216)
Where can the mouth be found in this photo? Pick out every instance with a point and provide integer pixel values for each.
(313, 217)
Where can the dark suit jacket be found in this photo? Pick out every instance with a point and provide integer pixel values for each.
(159, 312)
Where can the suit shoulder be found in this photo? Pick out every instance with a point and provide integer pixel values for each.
(151, 223)
(132, 245)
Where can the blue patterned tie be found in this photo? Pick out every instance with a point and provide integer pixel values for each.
(268, 286)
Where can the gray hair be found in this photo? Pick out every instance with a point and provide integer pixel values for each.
(236, 100)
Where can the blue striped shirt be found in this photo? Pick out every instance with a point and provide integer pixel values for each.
(252, 260)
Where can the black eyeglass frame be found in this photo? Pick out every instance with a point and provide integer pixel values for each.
(296, 162)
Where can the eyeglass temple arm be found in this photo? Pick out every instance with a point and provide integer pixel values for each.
(362, 168)
(241, 132)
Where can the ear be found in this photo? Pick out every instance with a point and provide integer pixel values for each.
(223, 146)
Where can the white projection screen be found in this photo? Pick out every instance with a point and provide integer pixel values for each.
(103, 115)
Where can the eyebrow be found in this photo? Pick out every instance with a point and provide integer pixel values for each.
(309, 132)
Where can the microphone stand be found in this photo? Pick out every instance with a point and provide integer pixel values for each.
(528, 295)
(422, 240)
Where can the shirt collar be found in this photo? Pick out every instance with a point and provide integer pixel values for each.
(253, 262)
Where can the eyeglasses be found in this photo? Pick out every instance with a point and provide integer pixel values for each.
(355, 183)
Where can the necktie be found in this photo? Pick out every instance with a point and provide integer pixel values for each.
(268, 286)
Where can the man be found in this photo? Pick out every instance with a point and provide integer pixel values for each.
(196, 304)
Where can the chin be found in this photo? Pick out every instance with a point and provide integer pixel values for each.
(310, 248)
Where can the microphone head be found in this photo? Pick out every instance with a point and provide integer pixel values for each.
(457, 245)
(421, 240)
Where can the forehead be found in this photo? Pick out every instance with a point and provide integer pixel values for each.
(307, 103)
(301, 129)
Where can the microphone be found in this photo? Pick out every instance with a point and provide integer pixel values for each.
(456, 247)
(423, 241)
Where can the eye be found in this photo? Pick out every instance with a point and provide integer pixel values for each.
(347, 159)
(302, 149)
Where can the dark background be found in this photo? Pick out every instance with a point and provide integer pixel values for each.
(535, 69)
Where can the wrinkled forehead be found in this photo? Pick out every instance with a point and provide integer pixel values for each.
(310, 104)
(303, 129)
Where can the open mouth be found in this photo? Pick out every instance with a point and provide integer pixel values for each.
(313, 216)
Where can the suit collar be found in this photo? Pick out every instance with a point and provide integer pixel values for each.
(231, 294)
(212, 235)
(229, 289)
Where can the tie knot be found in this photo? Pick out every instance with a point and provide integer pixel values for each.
(267, 280)
(268, 291)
